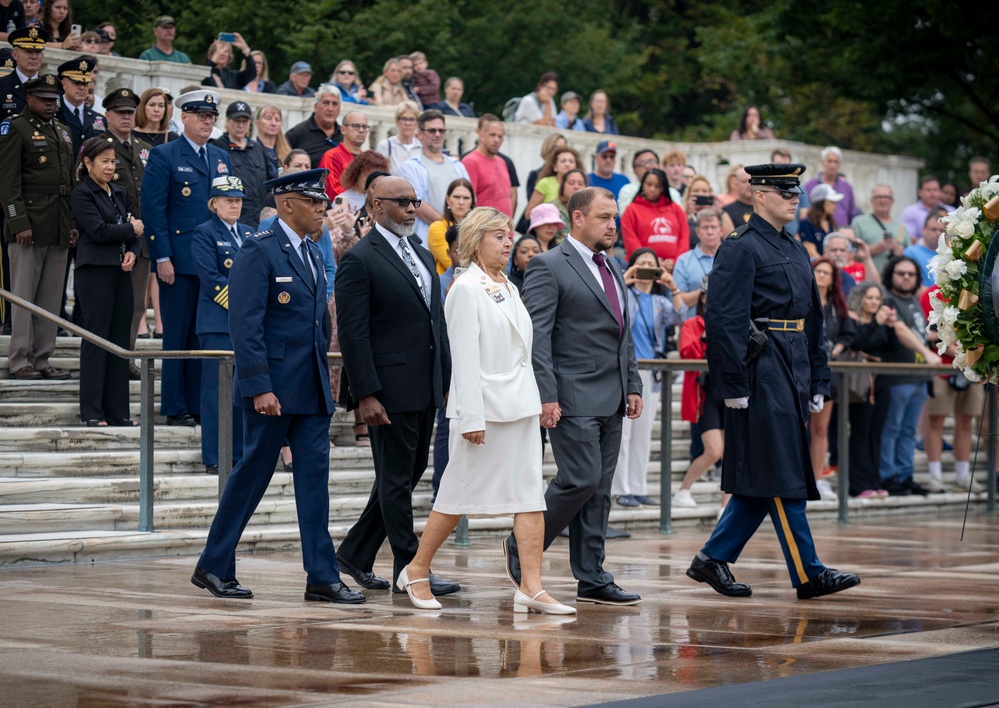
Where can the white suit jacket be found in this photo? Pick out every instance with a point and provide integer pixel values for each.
(492, 377)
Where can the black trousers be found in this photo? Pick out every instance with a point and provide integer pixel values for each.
(106, 295)
(866, 422)
(400, 453)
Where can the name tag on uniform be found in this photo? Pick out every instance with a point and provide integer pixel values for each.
(185, 169)
(40, 143)
(222, 243)
(285, 279)
(495, 292)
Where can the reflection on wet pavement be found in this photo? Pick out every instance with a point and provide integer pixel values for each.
(136, 633)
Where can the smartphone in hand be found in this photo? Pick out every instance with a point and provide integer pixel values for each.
(227, 37)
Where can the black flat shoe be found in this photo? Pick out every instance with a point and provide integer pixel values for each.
(142, 336)
(212, 469)
(229, 589)
(363, 578)
(616, 533)
(338, 593)
(609, 595)
(184, 419)
(827, 582)
(511, 562)
(96, 423)
(717, 575)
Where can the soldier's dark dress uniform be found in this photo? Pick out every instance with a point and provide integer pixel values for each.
(764, 275)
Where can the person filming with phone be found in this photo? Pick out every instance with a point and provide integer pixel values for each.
(654, 304)
(220, 56)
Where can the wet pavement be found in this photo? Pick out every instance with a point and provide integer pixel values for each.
(134, 633)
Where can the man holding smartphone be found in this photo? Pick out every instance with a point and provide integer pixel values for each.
(886, 237)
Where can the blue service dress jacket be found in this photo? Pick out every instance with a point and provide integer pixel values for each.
(279, 324)
(175, 188)
(214, 250)
(760, 272)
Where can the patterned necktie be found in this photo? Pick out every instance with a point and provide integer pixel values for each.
(308, 266)
(408, 258)
(609, 288)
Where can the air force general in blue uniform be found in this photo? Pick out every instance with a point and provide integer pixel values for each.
(175, 189)
(281, 330)
(214, 246)
(762, 278)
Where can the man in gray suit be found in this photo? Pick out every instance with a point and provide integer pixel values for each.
(584, 362)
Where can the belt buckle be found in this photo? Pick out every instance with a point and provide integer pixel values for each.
(799, 325)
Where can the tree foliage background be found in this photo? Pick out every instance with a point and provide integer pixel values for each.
(918, 77)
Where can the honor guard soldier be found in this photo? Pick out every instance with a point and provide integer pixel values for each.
(277, 297)
(36, 178)
(214, 246)
(130, 156)
(175, 192)
(766, 360)
(83, 123)
(27, 50)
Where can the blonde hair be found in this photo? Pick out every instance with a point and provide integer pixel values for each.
(475, 226)
(407, 107)
(699, 178)
(281, 146)
(732, 172)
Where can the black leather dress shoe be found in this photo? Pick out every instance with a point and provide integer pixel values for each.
(184, 419)
(827, 582)
(212, 469)
(363, 578)
(230, 589)
(337, 592)
(717, 575)
(437, 586)
(609, 595)
(511, 562)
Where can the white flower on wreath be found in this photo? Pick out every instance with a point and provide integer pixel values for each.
(960, 361)
(963, 229)
(939, 261)
(989, 189)
(942, 279)
(948, 337)
(956, 268)
(971, 375)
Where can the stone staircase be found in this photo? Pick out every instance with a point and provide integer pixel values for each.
(69, 493)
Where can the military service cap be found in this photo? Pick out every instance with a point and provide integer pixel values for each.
(78, 70)
(31, 38)
(783, 178)
(311, 183)
(200, 101)
(227, 187)
(6, 62)
(44, 86)
(121, 99)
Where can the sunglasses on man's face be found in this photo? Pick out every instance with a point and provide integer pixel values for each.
(403, 202)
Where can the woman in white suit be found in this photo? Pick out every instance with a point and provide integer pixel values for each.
(494, 405)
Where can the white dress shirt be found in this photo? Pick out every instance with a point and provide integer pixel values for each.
(393, 241)
(587, 255)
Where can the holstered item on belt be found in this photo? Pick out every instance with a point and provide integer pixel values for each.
(757, 337)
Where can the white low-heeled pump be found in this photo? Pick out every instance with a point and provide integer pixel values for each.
(404, 583)
(523, 603)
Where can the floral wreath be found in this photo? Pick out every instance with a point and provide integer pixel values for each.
(963, 268)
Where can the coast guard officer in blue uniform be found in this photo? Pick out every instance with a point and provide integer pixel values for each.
(280, 333)
(175, 190)
(214, 246)
(762, 276)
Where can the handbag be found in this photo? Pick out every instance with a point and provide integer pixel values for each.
(860, 383)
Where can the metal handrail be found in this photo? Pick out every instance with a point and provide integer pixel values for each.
(226, 361)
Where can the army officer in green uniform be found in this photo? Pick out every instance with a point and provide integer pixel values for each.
(36, 178)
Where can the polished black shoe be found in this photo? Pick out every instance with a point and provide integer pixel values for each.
(183, 419)
(338, 593)
(827, 582)
(613, 533)
(437, 586)
(918, 489)
(609, 595)
(229, 589)
(717, 575)
(363, 578)
(212, 469)
(511, 561)
(133, 373)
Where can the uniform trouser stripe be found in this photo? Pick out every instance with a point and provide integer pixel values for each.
(792, 546)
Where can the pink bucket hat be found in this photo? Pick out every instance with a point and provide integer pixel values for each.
(545, 214)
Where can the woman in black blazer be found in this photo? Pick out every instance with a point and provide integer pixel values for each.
(105, 254)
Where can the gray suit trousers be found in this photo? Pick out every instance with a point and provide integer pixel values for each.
(586, 451)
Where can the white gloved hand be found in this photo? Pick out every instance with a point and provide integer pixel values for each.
(737, 402)
(817, 403)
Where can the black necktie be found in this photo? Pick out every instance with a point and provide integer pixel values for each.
(204, 158)
(308, 266)
(235, 235)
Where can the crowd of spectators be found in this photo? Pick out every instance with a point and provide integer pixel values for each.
(870, 268)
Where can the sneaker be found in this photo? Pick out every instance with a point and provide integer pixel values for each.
(627, 500)
(826, 490)
(869, 494)
(936, 485)
(916, 488)
(961, 485)
(646, 500)
(683, 498)
(896, 487)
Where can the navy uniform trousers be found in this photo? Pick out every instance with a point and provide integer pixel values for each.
(743, 516)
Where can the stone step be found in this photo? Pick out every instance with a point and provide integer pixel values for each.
(39, 518)
(70, 346)
(85, 546)
(41, 390)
